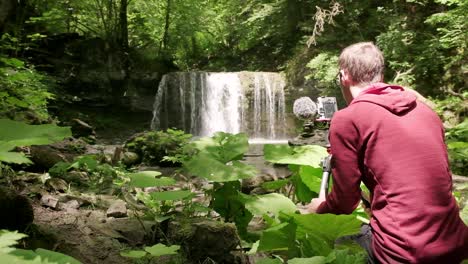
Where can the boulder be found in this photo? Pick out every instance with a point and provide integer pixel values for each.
(46, 156)
(202, 238)
(50, 201)
(81, 129)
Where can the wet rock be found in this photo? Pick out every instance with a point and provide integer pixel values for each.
(50, 201)
(76, 177)
(117, 209)
(319, 137)
(57, 184)
(46, 156)
(202, 238)
(16, 210)
(81, 129)
(82, 200)
(70, 206)
(130, 158)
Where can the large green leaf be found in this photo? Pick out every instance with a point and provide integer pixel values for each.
(275, 185)
(268, 203)
(55, 257)
(223, 146)
(133, 254)
(171, 195)
(269, 261)
(161, 250)
(14, 134)
(145, 179)
(311, 177)
(207, 167)
(464, 214)
(302, 192)
(14, 157)
(21, 134)
(310, 155)
(321, 230)
(347, 257)
(10, 238)
(278, 238)
(312, 260)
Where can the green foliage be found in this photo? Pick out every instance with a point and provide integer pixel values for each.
(9, 254)
(457, 144)
(154, 146)
(24, 94)
(324, 69)
(309, 155)
(218, 160)
(159, 204)
(15, 134)
(272, 203)
(311, 236)
(153, 251)
(305, 164)
(97, 175)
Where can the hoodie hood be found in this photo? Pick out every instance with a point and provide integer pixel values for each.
(391, 97)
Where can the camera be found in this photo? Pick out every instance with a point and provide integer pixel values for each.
(321, 111)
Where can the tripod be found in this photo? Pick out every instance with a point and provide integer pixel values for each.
(326, 168)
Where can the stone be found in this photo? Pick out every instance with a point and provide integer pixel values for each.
(117, 209)
(203, 238)
(46, 156)
(70, 206)
(50, 201)
(57, 184)
(81, 129)
(130, 158)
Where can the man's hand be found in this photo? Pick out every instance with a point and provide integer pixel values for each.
(312, 206)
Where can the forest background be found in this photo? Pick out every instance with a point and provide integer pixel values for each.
(114, 52)
(95, 56)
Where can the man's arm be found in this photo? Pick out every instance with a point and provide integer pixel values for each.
(346, 193)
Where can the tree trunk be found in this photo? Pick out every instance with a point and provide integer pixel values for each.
(124, 48)
(165, 38)
(6, 7)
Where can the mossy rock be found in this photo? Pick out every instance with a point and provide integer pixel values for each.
(203, 238)
(152, 146)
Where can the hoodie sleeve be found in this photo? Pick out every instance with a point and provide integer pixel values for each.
(346, 192)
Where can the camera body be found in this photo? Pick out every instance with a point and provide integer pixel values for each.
(326, 107)
(322, 110)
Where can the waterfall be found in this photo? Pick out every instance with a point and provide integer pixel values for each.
(202, 103)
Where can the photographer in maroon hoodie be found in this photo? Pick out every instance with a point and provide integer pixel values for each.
(394, 143)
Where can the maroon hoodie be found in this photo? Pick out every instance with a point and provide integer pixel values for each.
(395, 145)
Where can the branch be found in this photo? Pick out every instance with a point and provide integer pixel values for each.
(321, 17)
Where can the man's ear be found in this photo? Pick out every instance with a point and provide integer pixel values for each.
(346, 78)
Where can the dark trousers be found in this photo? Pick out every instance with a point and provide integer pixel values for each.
(364, 239)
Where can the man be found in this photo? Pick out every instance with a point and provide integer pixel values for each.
(393, 143)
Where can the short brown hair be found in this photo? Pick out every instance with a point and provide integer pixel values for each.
(363, 61)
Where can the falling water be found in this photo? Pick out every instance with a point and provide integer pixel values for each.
(202, 103)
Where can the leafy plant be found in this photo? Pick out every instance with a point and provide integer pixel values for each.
(160, 204)
(9, 254)
(16, 134)
(96, 174)
(218, 161)
(161, 147)
(304, 162)
(312, 236)
(457, 144)
(151, 252)
(24, 95)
